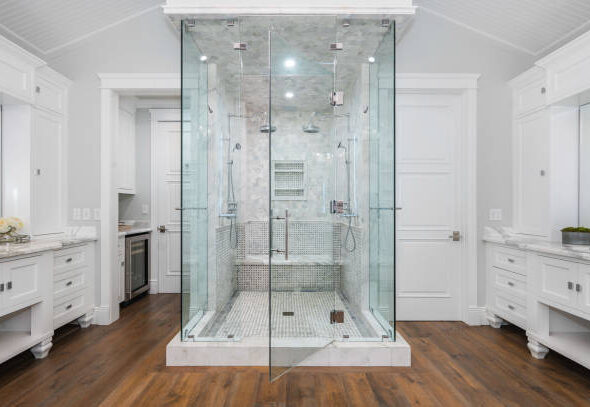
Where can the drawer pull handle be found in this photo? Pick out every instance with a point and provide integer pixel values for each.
(511, 284)
(69, 283)
(9, 285)
(578, 287)
(511, 307)
(510, 260)
(69, 306)
(69, 260)
(570, 285)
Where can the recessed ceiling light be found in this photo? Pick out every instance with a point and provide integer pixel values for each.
(203, 58)
(289, 63)
(289, 95)
(371, 59)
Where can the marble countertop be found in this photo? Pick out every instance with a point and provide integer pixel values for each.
(40, 245)
(542, 246)
(135, 230)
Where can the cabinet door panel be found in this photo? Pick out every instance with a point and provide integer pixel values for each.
(532, 178)
(558, 280)
(126, 152)
(21, 280)
(584, 288)
(46, 166)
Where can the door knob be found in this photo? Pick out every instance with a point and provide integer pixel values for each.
(456, 236)
(162, 228)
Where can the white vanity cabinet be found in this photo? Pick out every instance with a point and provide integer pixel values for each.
(17, 71)
(506, 285)
(72, 285)
(545, 154)
(545, 290)
(25, 305)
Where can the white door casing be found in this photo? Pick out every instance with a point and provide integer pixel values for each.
(428, 262)
(436, 277)
(166, 202)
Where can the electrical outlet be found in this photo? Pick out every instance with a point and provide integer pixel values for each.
(145, 209)
(495, 215)
(86, 214)
(96, 213)
(77, 214)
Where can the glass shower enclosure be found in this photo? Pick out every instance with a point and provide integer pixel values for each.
(288, 182)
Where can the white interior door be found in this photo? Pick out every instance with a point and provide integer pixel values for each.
(428, 192)
(167, 155)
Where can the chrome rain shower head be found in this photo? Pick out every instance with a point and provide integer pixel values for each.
(310, 127)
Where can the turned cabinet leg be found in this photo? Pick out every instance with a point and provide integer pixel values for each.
(85, 320)
(537, 350)
(41, 350)
(495, 321)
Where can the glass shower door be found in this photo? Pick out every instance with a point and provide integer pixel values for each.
(303, 278)
(193, 211)
(382, 196)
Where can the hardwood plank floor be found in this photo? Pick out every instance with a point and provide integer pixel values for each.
(124, 365)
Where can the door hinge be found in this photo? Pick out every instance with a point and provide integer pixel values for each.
(336, 317)
(456, 236)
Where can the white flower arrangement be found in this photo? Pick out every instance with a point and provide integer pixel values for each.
(9, 226)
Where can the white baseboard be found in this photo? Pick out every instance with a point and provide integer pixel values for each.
(154, 287)
(477, 316)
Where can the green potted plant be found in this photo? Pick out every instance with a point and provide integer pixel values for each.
(572, 235)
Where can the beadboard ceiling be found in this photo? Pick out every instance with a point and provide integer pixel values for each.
(532, 26)
(45, 26)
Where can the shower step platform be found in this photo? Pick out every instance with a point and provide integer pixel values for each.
(254, 351)
(312, 260)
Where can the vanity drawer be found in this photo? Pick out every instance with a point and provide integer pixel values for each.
(69, 259)
(510, 282)
(69, 308)
(69, 282)
(509, 259)
(511, 310)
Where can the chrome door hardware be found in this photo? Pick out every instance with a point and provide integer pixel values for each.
(511, 307)
(456, 236)
(511, 284)
(286, 219)
(510, 260)
(578, 287)
(162, 228)
(240, 46)
(570, 285)
(337, 98)
(1, 287)
(336, 46)
(9, 285)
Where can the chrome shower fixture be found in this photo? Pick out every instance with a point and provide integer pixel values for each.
(266, 127)
(237, 147)
(310, 127)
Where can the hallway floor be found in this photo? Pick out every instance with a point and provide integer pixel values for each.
(124, 364)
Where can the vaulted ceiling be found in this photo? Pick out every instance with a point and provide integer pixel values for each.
(532, 26)
(46, 26)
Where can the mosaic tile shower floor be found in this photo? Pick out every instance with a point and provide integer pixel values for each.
(246, 315)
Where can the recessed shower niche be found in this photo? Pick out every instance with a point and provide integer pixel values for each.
(288, 193)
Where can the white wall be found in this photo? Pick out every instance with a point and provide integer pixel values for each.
(146, 44)
(433, 44)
